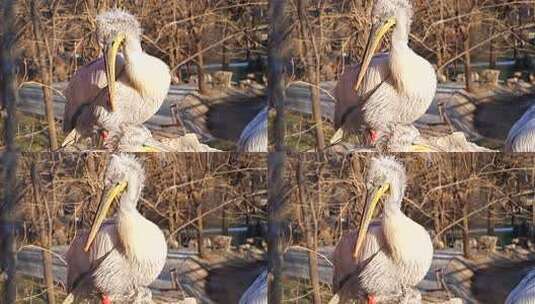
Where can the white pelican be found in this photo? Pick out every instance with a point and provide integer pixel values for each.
(118, 258)
(257, 292)
(385, 259)
(96, 100)
(521, 137)
(524, 292)
(388, 89)
(254, 137)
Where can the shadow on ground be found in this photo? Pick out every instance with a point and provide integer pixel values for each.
(227, 283)
(493, 284)
(494, 118)
(226, 119)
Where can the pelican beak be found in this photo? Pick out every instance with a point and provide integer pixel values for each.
(110, 55)
(105, 203)
(369, 208)
(152, 145)
(376, 36)
(420, 148)
(148, 148)
(337, 137)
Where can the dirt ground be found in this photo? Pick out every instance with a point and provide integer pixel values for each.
(227, 283)
(493, 284)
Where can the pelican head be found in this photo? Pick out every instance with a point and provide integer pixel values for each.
(122, 172)
(386, 176)
(114, 29)
(385, 15)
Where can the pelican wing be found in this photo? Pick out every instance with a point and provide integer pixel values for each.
(129, 110)
(257, 292)
(524, 292)
(84, 88)
(104, 268)
(348, 102)
(372, 273)
(82, 265)
(521, 137)
(254, 136)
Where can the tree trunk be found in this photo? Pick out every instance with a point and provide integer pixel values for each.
(442, 47)
(44, 236)
(45, 74)
(312, 63)
(468, 63)
(490, 221)
(466, 231)
(436, 217)
(532, 226)
(307, 228)
(200, 70)
(490, 217)
(516, 40)
(200, 234)
(9, 98)
(224, 225)
(276, 223)
(2, 105)
(224, 52)
(314, 271)
(492, 52)
(278, 206)
(316, 110)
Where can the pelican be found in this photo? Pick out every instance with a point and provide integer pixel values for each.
(394, 88)
(118, 258)
(521, 137)
(254, 137)
(385, 258)
(127, 87)
(524, 292)
(257, 292)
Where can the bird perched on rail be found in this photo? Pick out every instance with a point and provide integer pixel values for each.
(384, 259)
(254, 137)
(524, 292)
(387, 89)
(127, 87)
(521, 137)
(118, 258)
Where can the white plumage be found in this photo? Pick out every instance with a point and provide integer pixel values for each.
(392, 88)
(128, 251)
(254, 137)
(396, 252)
(135, 81)
(521, 137)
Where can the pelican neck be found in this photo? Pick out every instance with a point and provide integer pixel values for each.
(129, 199)
(393, 202)
(400, 35)
(132, 47)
